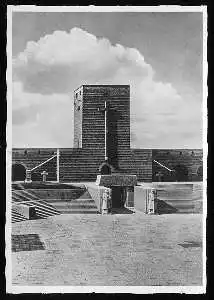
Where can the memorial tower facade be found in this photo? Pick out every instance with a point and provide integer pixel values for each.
(102, 120)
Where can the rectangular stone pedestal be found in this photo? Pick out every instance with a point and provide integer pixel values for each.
(122, 189)
(27, 211)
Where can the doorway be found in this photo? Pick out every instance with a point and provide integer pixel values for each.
(105, 170)
(118, 197)
(18, 172)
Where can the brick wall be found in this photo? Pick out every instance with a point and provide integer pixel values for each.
(137, 162)
(80, 164)
(83, 164)
(190, 158)
(31, 158)
(93, 120)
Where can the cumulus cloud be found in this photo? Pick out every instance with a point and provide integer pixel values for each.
(41, 120)
(47, 71)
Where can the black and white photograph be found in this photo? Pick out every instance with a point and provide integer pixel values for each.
(106, 149)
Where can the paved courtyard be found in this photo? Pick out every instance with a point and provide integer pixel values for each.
(125, 250)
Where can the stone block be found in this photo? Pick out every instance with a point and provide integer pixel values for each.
(28, 211)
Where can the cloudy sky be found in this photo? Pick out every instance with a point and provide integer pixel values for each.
(158, 54)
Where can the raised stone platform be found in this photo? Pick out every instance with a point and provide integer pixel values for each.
(116, 180)
(115, 191)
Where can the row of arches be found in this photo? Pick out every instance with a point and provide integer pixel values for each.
(181, 172)
(19, 171)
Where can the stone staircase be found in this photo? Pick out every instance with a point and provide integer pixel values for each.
(16, 217)
(56, 202)
(74, 206)
(43, 209)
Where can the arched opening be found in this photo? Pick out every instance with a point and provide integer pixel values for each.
(18, 172)
(200, 173)
(105, 170)
(181, 173)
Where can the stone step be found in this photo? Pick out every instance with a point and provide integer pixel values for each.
(22, 196)
(185, 211)
(61, 207)
(79, 212)
(43, 214)
(24, 193)
(63, 194)
(47, 212)
(54, 206)
(38, 203)
(57, 201)
(76, 205)
(42, 207)
(16, 217)
(174, 191)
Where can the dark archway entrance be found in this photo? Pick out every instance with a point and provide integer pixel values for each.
(118, 199)
(18, 172)
(181, 173)
(105, 169)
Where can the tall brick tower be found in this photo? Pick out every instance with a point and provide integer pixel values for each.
(102, 120)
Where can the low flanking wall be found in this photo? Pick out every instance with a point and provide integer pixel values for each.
(28, 211)
(172, 197)
(96, 194)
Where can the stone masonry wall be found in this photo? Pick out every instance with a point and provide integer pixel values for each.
(189, 158)
(31, 158)
(80, 164)
(93, 120)
(137, 162)
(83, 164)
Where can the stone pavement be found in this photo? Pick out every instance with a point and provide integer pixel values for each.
(123, 250)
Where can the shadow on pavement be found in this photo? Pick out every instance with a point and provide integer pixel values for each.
(121, 210)
(164, 208)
